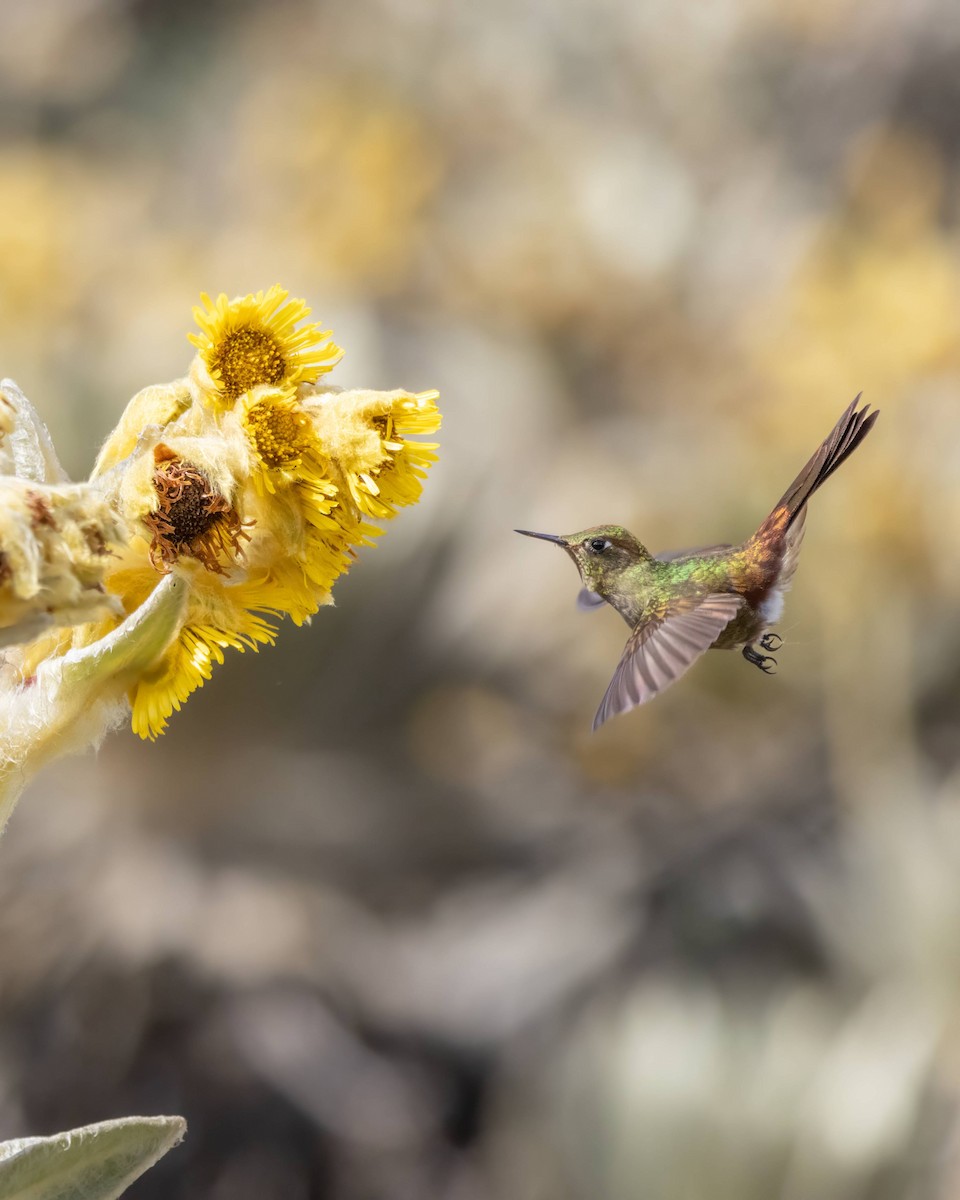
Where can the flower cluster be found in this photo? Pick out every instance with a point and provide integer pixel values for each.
(253, 482)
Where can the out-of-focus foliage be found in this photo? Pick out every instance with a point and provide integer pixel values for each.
(381, 917)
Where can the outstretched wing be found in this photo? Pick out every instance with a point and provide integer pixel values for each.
(661, 649)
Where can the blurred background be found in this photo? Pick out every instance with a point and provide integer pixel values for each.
(378, 914)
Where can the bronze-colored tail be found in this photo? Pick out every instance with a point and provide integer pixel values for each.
(844, 438)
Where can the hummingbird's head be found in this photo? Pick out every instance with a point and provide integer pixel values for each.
(601, 553)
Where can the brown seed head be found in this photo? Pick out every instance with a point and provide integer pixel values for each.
(192, 519)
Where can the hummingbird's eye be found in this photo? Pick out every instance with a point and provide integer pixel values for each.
(597, 545)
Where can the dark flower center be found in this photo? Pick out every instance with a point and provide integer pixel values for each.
(192, 518)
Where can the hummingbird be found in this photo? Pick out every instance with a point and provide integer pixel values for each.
(682, 603)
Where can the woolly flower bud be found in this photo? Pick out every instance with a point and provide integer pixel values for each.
(365, 434)
(55, 551)
(55, 538)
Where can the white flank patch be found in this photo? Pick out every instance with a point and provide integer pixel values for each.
(772, 608)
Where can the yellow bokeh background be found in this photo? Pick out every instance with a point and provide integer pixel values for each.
(647, 253)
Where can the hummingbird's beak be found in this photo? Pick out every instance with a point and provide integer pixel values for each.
(547, 537)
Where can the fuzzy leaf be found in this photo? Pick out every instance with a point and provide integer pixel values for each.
(96, 1162)
(27, 450)
(134, 644)
(74, 699)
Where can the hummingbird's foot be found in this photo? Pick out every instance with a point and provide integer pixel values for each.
(763, 661)
(771, 641)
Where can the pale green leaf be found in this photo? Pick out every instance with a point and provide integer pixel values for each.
(96, 1162)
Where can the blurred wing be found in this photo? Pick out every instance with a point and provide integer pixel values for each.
(587, 601)
(659, 651)
(697, 552)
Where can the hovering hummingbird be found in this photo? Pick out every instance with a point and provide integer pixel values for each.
(682, 603)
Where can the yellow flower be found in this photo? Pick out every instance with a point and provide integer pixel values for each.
(254, 340)
(365, 435)
(283, 442)
(330, 547)
(313, 540)
(399, 478)
(292, 469)
(218, 616)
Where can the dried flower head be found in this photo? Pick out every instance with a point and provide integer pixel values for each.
(192, 519)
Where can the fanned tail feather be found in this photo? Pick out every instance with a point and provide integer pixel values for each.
(778, 539)
(844, 438)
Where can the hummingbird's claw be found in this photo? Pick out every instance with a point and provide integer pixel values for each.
(771, 641)
(765, 662)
